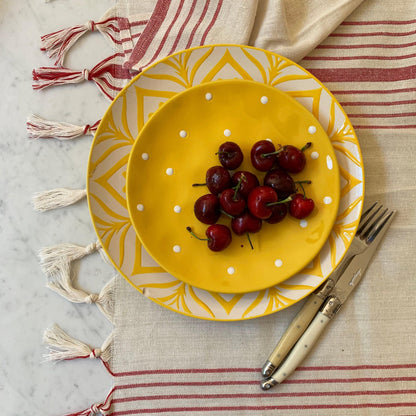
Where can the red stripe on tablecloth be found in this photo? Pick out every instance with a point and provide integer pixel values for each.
(262, 395)
(121, 41)
(257, 370)
(390, 127)
(256, 382)
(368, 45)
(376, 103)
(149, 32)
(362, 34)
(392, 91)
(201, 19)
(187, 371)
(136, 35)
(361, 57)
(182, 28)
(211, 24)
(188, 383)
(384, 115)
(378, 22)
(358, 367)
(364, 74)
(263, 408)
(139, 23)
(131, 24)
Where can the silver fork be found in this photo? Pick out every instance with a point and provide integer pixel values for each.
(371, 223)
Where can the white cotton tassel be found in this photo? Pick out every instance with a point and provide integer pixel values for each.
(57, 198)
(67, 348)
(62, 284)
(40, 128)
(64, 347)
(106, 298)
(54, 259)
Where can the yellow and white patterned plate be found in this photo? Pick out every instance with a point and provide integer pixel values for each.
(126, 117)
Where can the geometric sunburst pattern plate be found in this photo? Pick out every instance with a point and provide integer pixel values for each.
(119, 128)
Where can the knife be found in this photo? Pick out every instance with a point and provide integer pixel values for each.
(345, 285)
(301, 321)
(311, 306)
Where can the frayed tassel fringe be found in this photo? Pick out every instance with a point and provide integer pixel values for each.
(62, 283)
(57, 198)
(39, 128)
(64, 347)
(53, 259)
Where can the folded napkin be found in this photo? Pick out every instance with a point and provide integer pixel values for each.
(163, 362)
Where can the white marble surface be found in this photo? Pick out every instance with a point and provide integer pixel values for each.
(29, 386)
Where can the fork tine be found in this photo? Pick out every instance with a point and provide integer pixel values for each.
(376, 218)
(367, 211)
(370, 213)
(380, 227)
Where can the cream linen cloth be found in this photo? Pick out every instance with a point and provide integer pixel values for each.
(365, 363)
(291, 28)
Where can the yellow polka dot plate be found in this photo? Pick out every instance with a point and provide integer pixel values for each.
(126, 117)
(176, 147)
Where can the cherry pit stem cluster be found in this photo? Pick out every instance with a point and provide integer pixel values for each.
(238, 194)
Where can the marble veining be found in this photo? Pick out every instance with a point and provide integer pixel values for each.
(28, 385)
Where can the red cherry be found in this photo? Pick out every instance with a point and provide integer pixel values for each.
(279, 213)
(217, 179)
(232, 202)
(281, 182)
(218, 236)
(246, 223)
(247, 181)
(259, 199)
(300, 206)
(207, 209)
(263, 155)
(230, 155)
(292, 159)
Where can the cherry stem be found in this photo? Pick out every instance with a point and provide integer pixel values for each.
(249, 240)
(199, 184)
(272, 153)
(307, 146)
(226, 213)
(303, 189)
(223, 151)
(283, 201)
(194, 235)
(237, 188)
(307, 181)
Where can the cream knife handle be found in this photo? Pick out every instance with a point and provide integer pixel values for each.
(302, 347)
(293, 333)
(307, 340)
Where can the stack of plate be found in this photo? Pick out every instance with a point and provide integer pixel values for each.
(160, 135)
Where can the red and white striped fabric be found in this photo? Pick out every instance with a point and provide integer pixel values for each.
(370, 66)
(335, 390)
(180, 24)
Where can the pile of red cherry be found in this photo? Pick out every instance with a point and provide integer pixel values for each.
(240, 196)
